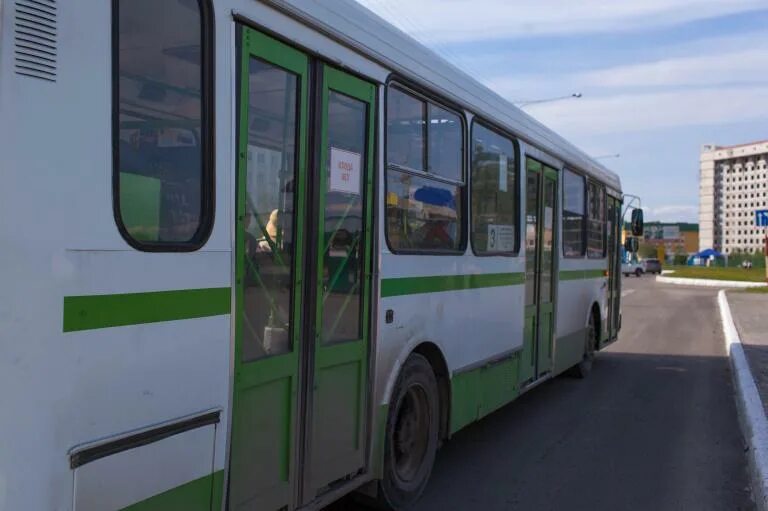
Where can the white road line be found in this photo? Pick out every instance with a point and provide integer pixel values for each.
(751, 412)
(708, 282)
(627, 292)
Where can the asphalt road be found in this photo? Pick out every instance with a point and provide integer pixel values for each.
(654, 427)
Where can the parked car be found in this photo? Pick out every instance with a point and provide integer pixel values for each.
(629, 268)
(652, 266)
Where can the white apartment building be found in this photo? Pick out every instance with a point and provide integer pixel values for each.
(732, 186)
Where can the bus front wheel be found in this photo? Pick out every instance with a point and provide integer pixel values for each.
(411, 435)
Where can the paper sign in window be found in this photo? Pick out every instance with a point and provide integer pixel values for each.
(501, 238)
(345, 171)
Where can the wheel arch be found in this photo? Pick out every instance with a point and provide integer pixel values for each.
(595, 313)
(436, 359)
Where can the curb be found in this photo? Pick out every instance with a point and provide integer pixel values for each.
(754, 424)
(708, 283)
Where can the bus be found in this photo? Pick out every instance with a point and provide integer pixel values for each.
(259, 254)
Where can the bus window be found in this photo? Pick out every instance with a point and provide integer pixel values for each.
(574, 222)
(446, 151)
(405, 130)
(161, 171)
(424, 188)
(494, 193)
(596, 222)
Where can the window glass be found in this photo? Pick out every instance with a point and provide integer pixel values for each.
(548, 239)
(445, 144)
(422, 213)
(343, 233)
(494, 193)
(269, 217)
(573, 214)
(160, 138)
(596, 222)
(531, 232)
(406, 128)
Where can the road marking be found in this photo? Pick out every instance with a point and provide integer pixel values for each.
(627, 292)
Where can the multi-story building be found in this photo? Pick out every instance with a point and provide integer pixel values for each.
(732, 186)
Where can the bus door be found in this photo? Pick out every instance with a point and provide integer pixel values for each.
(614, 267)
(303, 258)
(540, 212)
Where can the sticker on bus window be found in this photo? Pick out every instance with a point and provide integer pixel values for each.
(345, 171)
(502, 172)
(501, 238)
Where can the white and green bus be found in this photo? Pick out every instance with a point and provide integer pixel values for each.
(258, 254)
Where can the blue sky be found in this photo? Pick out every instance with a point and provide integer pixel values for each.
(659, 78)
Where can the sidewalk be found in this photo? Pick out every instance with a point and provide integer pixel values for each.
(750, 313)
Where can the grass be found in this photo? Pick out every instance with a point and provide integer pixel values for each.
(758, 290)
(701, 272)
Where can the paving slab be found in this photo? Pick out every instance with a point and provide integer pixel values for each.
(750, 314)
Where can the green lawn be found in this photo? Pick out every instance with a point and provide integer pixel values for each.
(699, 272)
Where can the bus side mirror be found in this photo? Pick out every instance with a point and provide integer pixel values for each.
(637, 222)
(631, 245)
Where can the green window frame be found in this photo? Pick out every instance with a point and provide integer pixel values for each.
(494, 191)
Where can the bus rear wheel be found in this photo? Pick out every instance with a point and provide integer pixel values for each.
(584, 367)
(411, 435)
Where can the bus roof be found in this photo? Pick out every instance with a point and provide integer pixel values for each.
(351, 23)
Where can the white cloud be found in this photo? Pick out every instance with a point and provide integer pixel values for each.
(733, 67)
(673, 213)
(627, 112)
(437, 21)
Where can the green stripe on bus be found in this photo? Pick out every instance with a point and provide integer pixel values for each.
(581, 274)
(201, 494)
(105, 311)
(440, 283)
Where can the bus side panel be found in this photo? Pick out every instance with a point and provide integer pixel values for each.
(576, 295)
(479, 330)
(71, 377)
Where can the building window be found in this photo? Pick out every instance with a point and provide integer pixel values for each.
(163, 171)
(425, 175)
(494, 193)
(574, 214)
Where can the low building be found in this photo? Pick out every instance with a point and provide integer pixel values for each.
(676, 238)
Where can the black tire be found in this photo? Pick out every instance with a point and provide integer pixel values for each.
(411, 437)
(584, 367)
(638, 273)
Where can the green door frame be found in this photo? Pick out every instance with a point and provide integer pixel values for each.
(547, 308)
(614, 272)
(264, 416)
(340, 364)
(538, 333)
(283, 450)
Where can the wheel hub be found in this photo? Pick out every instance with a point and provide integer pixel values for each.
(411, 433)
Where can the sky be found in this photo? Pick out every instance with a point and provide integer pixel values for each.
(658, 78)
